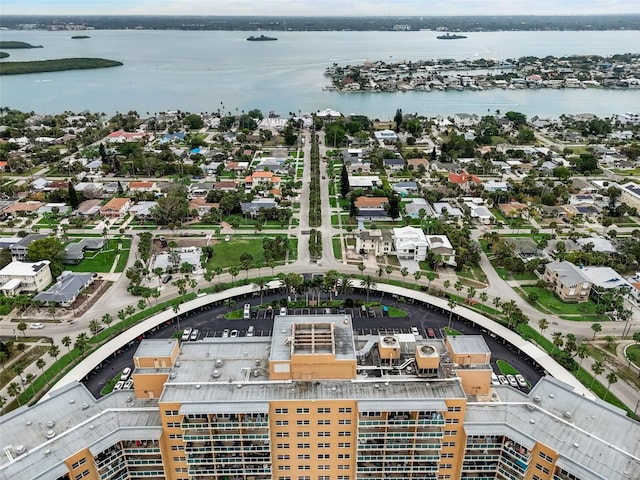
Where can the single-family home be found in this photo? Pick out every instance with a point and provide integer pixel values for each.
(410, 243)
(20, 277)
(143, 186)
(386, 135)
(366, 182)
(172, 261)
(405, 188)
(201, 205)
(74, 252)
(116, 207)
(143, 209)
(464, 180)
(440, 245)
(374, 242)
(27, 207)
(19, 249)
(605, 279)
(394, 164)
(446, 209)
(261, 180)
(253, 207)
(66, 290)
(567, 281)
(524, 248)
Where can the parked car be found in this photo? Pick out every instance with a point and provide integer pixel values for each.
(512, 380)
(250, 331)
(521, 381)
(431, 333)
(118, 386)
(415, 330)
(233, 334)
(283, 310)
(125, 374)
(194, 335)
(186, 334)
(371, 311)
(128, 385)
(494, 379)
(225, 333)
(503, 380)
(37, 326)
(167, 279)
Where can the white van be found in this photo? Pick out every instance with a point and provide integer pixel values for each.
(186, 334)
(247, 311)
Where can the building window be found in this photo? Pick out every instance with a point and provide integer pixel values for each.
(304, 467)
(453, 409)
(171, 413)
(322, 456)
(304, 445)
(344, 434)
(302, 410)
(304, 456)
(82, 461)
(302, 422)
(344, 455)
(324, 410)
(282, 423)
(282, 411)
(324, 445)
(304, 477)
(448, 444)
(544, 470)
(303, 434)
(284, 467)
(175, 436)
(546, 457)
(282, 434)
(282, 445)
(285, 477)
(450, 432)
(177, 447)
(344, 421)
(284, 457)
(451, 420)
(446, 455)
(344, 467)
(344, 445)
(344, 410)
(324, 434)
(325, 422)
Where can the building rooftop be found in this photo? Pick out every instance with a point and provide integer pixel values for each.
(464, 344)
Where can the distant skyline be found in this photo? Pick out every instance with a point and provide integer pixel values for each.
(280, 8)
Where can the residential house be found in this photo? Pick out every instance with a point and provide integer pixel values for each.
(253, 207)
(261, 180)
(412, 208)
(410, 243)
(352, 155)
(26, 207)
(365, 182)
(143, 209)
(524, 248)
(604, 279)
(374, 242)
(513, 209)
(121, 136)
(440, 245)
(172, 261)
(465, 119)
(200, 204)
(19, 249)
(74, 252)
(386, 135)
(20, 277)
(417, 162)
(66, 290)
(226, 186)
(464, 180)
(200, 189)
(116, 207)
(143, 186)
(89, 207)
(598, 244)
(446, 209)
(481, 214)
(405, 188)
(567, 281)
(630, 194)
(395, 164)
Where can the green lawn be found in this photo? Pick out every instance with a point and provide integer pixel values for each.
(549, 302)
(227, 254)
(633, 353)
(337, 247)
(506, 368)
(452, 332)
(102, 261)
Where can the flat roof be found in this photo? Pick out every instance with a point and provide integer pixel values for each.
(156, 347)
(468, 344)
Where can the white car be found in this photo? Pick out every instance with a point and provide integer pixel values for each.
(503, 380)
(521, 381)
(186, 334)
(125, 374)
(194, 335)
(128, 385)
(494, 379)
(37, 326)
(225, 333)
(234, 333)
(118, 386)
(512, 380)
(414, 330)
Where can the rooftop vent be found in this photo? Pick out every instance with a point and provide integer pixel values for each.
(537, 399)
(576, 445)
(173, 375)
(198, 387)
(427, 350)
(219, 362)
(567, 414)
(91, 427)
(215, 373)
(129, 399)
(532, 421)
(85, 406)
(177, 364)
(551, 395)
(51, 423)
(47, 451)
(258, 362)
(389, 340)
(29, 423)
(20, 449)
(51, 434)
(72, 401)
(531, 406)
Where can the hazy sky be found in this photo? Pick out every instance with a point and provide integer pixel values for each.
(320, 7)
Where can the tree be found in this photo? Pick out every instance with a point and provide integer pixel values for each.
(14, 390)
(609, 339)
(417, 274)
(66, 341)
(404, 272)
(40, 363)
(398, 119)
(388, 270)
(557, 340)
(22, 326)
(431, 276)
(636, 337)
(543, 324)
(49, 248)
(54, 351)
(452, 304)
(596, 327)
(611, 379)
(260, 284)
(446, 284)
(233, 271)
(458, 286)
(582, 351)
(393, 207)
(361, 267)
(369, 284)
(597, 368)
(82, 340)
(73, 197)
(3, 358)
(345, 188)
(28, 379)
(172, 208)
(107, 319)
(94, 326)
(122, 315)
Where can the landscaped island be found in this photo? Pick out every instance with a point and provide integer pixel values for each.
(80, 37)
(13, 44)
(57, 65)
(4, 54)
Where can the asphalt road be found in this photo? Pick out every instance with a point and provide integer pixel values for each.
(211, 323)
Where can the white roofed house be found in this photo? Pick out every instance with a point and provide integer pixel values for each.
(410, 243)
(440, 245)
(20, 277)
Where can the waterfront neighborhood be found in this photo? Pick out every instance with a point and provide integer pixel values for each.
(576, 71)
(528, 226)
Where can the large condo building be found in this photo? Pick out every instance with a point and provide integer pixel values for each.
(314, 402)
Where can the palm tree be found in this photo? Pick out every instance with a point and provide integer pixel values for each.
(361, 267)
(404, 272)
(81, 342)
(28, 379)
(107, 318)
(451, 304)
(611, 378)
(155, 293)
(369, 284)
(458, 286)
(596, 327)
(54, 351)
(484, 296)
(380, 273)
(344, 284)
(158, 272)
(497, 301)
(122, 315)
(176, 310)
(597, 368)
(446, 284)
(22, 326)
(3, 358)
(40, 363)
(3, 402)
(260, 284)
(66, 341)
(388, 270)
(582, 352)
(431, 276)
(543, 324)
(557, 340)
(417, 274)
(233, 271)
(14, 390)
(94, 326)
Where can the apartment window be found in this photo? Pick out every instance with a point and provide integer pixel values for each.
(325, 421)
(344, 421)
(451, 420)
(446, 455)
(304, 445)
(173, 425)
(371, 414)
(344, 434)
(171, 413)
(177, 447)
(343, 477)
(304, 456)
(324, 434)
(323, 467)
(179, 459)
(536, 477)
(175, 436)
(344, 467)
(304, 477)
(322, 456)
(284, 467)
(344, 445)
(450, 432)
(285, 477)
(344, 455)
(448, 444)
(324, 445)
(282, 423)
(324, 410)
(302, 422)
(282, 411)
(344, 410)
(284, 457)
(303, 434)
(82, 475)
(546, 457)
(324, 477)
(453, 409)
(82, 461)
(446, 465)
(302, 410)
(282, 445)
(282, 434)
(544, 470)
(304, 467)
(182, 470)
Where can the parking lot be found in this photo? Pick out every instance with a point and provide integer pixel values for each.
(429, 323)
